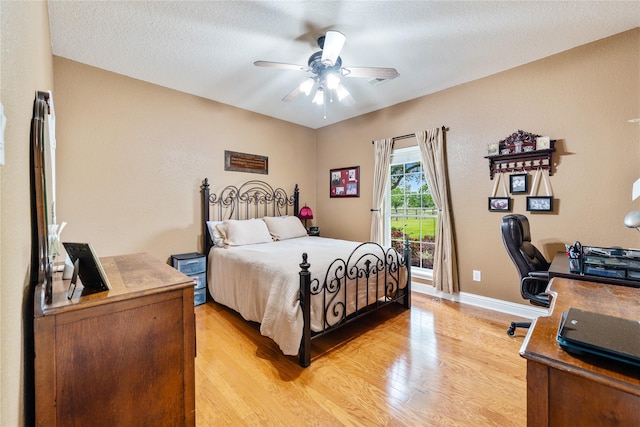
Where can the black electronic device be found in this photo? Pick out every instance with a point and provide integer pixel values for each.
(89, 268)
(74, 279)
(607, 336)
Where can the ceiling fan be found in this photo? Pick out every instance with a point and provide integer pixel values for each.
(326, 67)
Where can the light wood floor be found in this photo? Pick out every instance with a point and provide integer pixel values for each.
(438, 364)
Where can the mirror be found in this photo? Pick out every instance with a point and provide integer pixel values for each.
(40, 262)
(54, 229)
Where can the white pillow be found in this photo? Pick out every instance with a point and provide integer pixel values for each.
(217, 238)
(244, 232)
(287, 227)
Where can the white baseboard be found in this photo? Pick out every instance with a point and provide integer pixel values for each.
(519, 310)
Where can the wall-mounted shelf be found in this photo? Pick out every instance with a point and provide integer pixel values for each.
(518, 153)
(531, 160)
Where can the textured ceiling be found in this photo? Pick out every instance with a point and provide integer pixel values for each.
(207, 48)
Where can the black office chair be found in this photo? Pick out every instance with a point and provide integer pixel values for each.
(530, 263)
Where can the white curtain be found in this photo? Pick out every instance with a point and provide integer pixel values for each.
(382, 150)
(431, 143)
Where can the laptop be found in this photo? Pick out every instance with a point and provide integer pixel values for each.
(607, 336)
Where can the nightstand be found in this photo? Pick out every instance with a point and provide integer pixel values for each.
(194, 265)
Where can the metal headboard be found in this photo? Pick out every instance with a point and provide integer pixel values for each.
(253, 199)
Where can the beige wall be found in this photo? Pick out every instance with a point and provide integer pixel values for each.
(582, 98)
(131, 157)
(26, 67)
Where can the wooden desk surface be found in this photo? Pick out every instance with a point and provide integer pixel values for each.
(540, 344)
(133, 274)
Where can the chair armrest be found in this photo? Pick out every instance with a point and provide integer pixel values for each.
(539, 275)
(541, 300)
(533, 288)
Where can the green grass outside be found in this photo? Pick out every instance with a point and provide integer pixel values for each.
(412, 226)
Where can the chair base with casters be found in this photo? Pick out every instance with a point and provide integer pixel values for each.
(532, 288)
(512, 329)
(532, 266)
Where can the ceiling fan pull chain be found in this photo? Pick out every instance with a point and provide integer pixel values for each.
(324, 107)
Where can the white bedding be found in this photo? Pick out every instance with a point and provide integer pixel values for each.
(267, 291)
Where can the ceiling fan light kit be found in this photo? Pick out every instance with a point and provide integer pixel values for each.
(326, 66)
(333, 81)
(342, 93)
(306, 85)
(319, 96)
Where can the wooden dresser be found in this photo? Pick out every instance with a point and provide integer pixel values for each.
(568, 390)
(122, 357)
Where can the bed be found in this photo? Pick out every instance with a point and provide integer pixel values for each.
(262, 264)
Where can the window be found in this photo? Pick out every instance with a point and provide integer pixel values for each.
(410, 211)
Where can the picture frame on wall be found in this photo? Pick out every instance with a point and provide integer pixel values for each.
(344, 182)
(500, 204)
(519, 183)
(543, 143)
(540, 203)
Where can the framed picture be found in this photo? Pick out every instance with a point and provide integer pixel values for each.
(540, 203)
(344, 182)
(500, 204)
(519, 183)
(543, 143)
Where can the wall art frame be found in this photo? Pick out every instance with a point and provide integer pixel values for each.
(540, 203)
(243, 162)
(344, 182)
(500, 204)
(519, 183)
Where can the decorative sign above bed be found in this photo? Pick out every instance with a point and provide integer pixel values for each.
(241, 162)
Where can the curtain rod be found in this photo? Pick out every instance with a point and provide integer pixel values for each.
(409, 135)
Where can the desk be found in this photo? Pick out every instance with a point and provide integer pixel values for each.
(566, 390)
(560, 268)
(121, 357)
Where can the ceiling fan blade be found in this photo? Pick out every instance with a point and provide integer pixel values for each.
(333, 42)
(292, 95)
(304, 87)
(281, 65)
(348, 100)
(345, 97)
(370, 72)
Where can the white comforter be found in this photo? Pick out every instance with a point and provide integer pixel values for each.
(267, 289)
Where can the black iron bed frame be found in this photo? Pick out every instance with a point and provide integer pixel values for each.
(368, 265)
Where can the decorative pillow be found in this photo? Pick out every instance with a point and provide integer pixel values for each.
(282, 228)
(244, 232)
(217, 238)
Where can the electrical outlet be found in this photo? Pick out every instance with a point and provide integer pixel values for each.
(476, 275)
